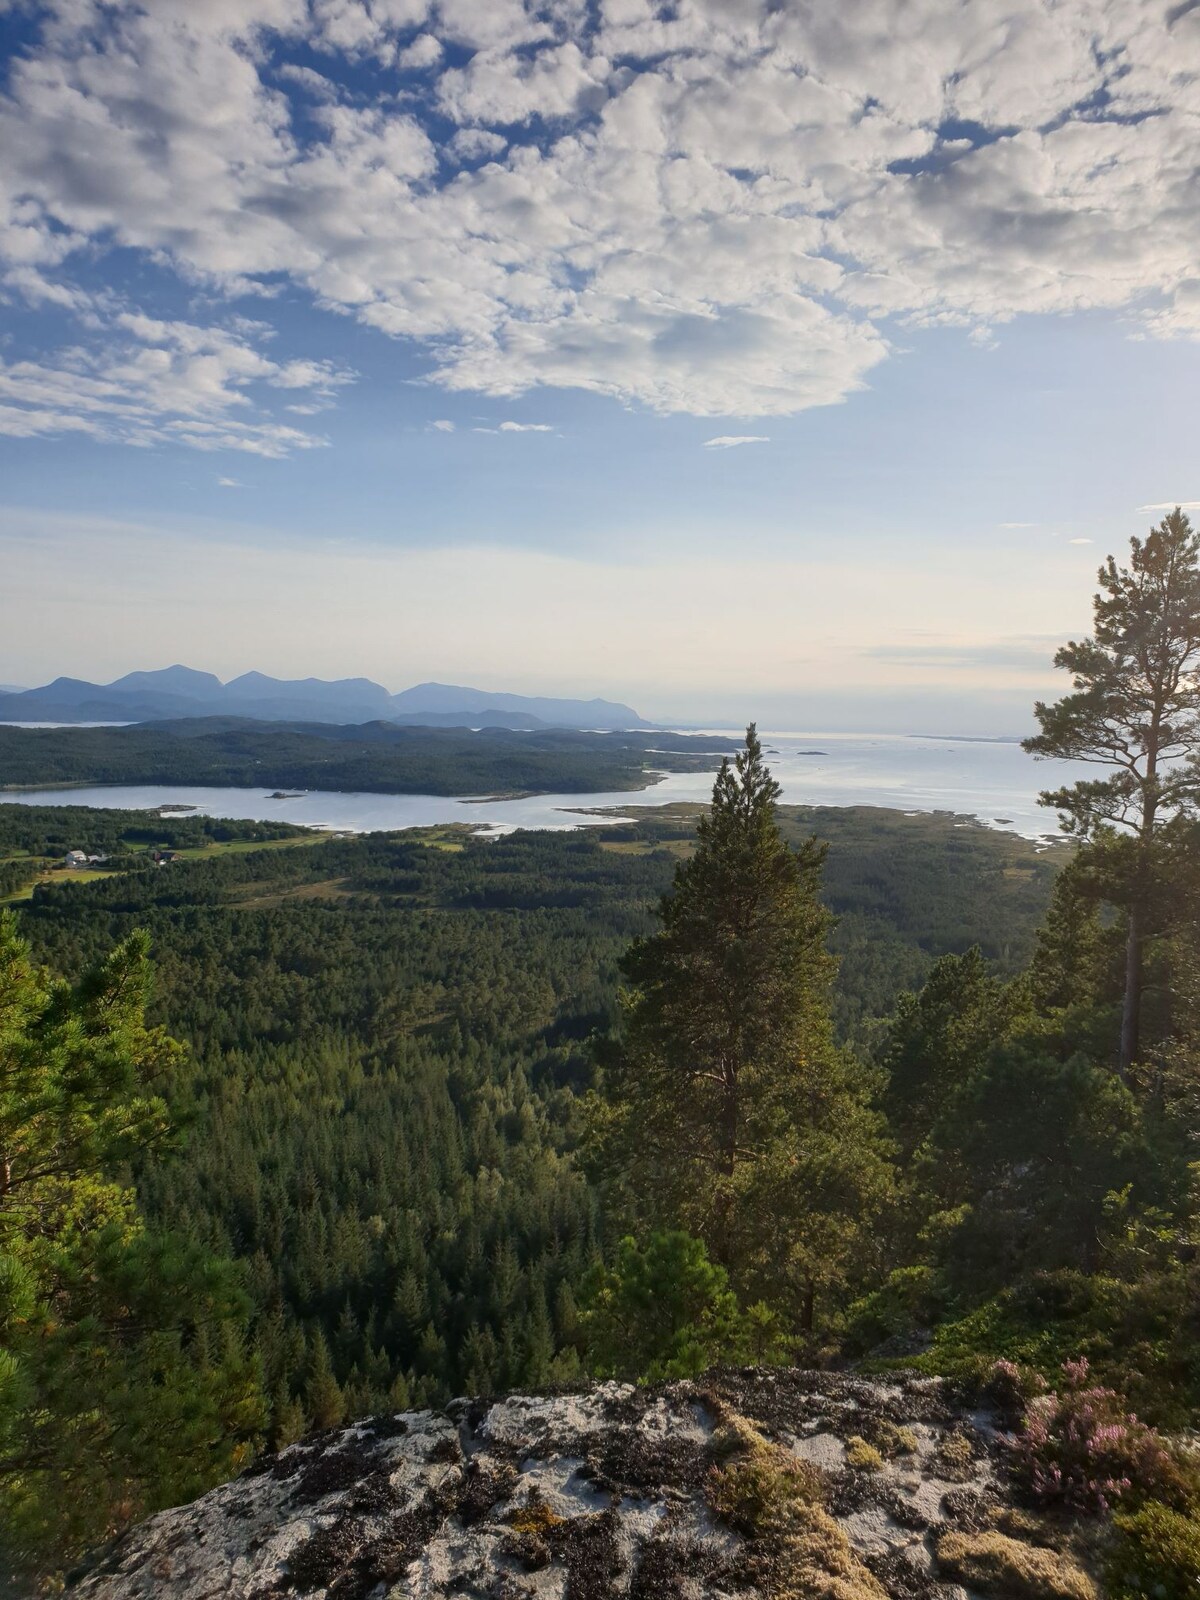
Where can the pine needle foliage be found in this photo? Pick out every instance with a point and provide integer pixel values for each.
(1135, 710)
(125, 1382)
(728, 1109)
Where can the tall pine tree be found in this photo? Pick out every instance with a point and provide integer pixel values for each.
(728, 1110)
(1135, 709)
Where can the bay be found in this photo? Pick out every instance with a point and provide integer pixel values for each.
(992, 780)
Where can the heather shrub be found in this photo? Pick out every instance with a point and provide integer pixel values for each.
(1155, 1556)
(1082, 1450)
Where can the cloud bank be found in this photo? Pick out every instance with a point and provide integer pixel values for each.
(706, 207)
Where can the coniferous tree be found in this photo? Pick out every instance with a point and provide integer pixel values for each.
(125, 1383)
(288, 1422)
(1136, 710)
(664, 1310)
(324, 1401)
(939, 1036)
(729, 1112)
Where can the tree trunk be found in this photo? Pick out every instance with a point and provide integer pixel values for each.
(808, 1308)
(1131, 1005)
(719, 1242)
(1131, 1000)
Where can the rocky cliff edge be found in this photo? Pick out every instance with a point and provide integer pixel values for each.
(785, 1484)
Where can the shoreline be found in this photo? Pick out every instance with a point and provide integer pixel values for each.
(647, 780)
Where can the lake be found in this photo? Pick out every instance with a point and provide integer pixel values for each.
(994, 781)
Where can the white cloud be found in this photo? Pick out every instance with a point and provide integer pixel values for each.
(230, 483)
(729, 441)
(315, 83)
(424, 51)
(517, 427)
(442, 425)
(475, 144)
(1017, 524)
(501, 88)
(1169, 505)
(706, 207)
(1079, 541)
(145, 382)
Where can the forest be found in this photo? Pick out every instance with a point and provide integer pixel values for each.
(306, 1133)
(372, 758)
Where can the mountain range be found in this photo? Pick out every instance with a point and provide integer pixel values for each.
(183, 692)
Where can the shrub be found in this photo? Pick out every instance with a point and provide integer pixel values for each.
(1081, 1449)
(888, 1439)
(911, 1300)
(757, 1489)
(1156, 1556)
(1010, 1388)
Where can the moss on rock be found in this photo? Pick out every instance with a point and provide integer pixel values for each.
(1011, 1569)
(860, 1455)
(795, 1550)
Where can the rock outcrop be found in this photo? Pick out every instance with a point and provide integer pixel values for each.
(763, 1482)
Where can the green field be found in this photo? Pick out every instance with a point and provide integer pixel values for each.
(35, 839)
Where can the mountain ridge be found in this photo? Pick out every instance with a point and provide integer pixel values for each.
(181, 691)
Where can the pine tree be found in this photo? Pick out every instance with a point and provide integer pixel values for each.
(288, 1422)
(1136, 710)
(125, 1383)
(939, 1036)
(728, 1111)
(664, 1310)
(324, 1401)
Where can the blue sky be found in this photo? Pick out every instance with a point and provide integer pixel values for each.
(416, 338)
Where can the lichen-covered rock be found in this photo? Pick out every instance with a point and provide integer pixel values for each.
(760, 1482)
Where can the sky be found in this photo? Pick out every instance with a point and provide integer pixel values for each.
(731, 358)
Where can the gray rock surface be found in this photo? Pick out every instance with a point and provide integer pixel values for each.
(578, 1497)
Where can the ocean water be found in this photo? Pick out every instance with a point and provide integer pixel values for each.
(994, 781)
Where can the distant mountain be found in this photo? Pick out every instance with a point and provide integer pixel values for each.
(183, 692)
(171, 680)
(306, 699)
(453, 698)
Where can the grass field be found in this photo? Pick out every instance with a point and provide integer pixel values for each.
(241, 847)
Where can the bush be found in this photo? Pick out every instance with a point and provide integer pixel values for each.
(1081, 1449)
(1156, 1556)
(910, 1301)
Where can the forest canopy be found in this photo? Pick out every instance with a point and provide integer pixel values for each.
(376, 757)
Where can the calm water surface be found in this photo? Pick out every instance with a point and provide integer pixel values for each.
(998, 783)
